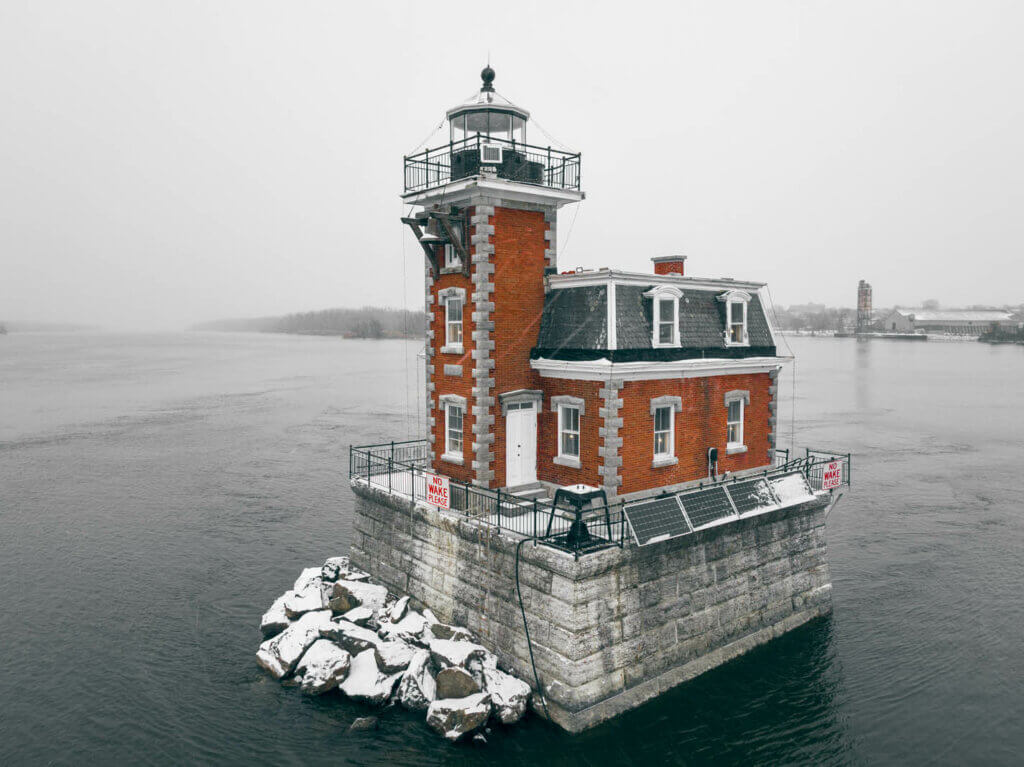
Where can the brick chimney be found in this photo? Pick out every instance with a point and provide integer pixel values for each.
(669, 264)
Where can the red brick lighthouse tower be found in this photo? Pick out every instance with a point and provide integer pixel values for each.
(488, 208)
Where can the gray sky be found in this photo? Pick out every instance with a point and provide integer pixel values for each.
(166, 163)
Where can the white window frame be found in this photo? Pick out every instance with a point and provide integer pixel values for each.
(453, 403)
(736, 300)
(669, 432)
(657, 295)
(742, 398)
(446, 296)
(561, 405)
(673, 405)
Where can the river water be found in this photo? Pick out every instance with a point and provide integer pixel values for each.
(157, 492)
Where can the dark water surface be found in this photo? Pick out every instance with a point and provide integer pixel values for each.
(158, 492)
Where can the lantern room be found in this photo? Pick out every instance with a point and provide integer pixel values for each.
(487, 138)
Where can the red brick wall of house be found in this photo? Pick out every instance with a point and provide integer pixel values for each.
(700, 425)
(518, 298)
(443, 384)
(547, 434)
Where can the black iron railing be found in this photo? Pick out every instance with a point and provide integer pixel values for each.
(511, 160)
(402, 468)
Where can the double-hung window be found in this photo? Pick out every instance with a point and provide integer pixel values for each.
(666, 321)
(453, 431)
(569, 431)
(454, 407)
(453, 321)
(663, 415)
(737, 320)
(570, 412)
(735, 408)
(734, 422)
(452, 300)
(736, 331)
(664, 315)
(663, 430)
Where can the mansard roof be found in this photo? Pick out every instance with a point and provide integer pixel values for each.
(576, 322)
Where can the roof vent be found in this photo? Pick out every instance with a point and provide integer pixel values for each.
(669, 264)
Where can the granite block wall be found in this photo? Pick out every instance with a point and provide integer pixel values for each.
(614, 628)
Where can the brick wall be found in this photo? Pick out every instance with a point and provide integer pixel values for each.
(669, 267)
(520, 251)
(547, 434)
(701, 424)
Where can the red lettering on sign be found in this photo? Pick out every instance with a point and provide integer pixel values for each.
(438, 491)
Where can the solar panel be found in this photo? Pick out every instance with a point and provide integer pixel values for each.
(656, 520)
(706, 506)
(751, 494)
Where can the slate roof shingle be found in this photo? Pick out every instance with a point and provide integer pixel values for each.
(574, 326)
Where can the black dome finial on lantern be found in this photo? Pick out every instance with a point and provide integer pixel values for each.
(487, 75)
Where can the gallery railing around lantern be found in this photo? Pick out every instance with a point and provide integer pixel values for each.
(509, 160)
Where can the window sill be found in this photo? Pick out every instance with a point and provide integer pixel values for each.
(731, 344)
(454, 269)
(656, 345)
(453, 349)
(735, 449)
(566, 460)
(455, 458)
(664, 460)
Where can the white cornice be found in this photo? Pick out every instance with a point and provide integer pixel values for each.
(602, 370)
(606, 276)
(465, 189)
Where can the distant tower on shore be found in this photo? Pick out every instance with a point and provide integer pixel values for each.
(863, 306)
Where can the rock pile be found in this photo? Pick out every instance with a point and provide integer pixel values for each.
(334, 630)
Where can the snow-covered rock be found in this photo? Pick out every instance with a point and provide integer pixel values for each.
(455, 682)
(429, 616)
(455, 717)
(301, 602)
(409, 629)
(448, 652)
(332, 569)
(393, 656)
(361, 616)
(456, 633)
(280, 654)
(275, 620)
(308, 576)
(323, 667)
(366, 683)
(417, 690)
(509, 695)
(349, 594)
(353, 638)
(397, 611)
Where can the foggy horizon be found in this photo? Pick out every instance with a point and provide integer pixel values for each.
(171, 165)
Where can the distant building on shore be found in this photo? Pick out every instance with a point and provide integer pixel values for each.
(962, 323)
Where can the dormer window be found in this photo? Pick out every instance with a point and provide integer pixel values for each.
(664, 315)
(736, 333)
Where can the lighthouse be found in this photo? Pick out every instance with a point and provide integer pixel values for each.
(600, 494)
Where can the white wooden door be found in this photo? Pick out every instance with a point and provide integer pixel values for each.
(520, 444)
